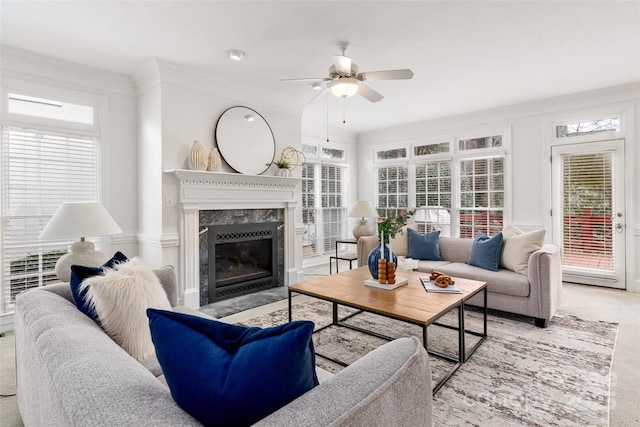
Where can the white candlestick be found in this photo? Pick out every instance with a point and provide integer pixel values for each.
(390, 258)
(381, 244)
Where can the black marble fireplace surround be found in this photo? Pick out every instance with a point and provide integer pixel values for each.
(243, 249)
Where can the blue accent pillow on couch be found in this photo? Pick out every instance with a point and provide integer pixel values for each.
(79, 273)
(424, 247)
(231, 375)
(486, 251)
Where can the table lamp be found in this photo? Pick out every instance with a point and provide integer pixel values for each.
(363, 209)
(79, 219)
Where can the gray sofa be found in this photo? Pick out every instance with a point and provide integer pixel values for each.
(69, 372)
(536, 295)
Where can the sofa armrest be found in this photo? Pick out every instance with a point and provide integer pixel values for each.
(545, 279)
(365, 246)
(391, 385)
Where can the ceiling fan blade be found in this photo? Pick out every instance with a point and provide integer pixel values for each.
(386, 75)
(318, 95)
(342, 64)
(369, 93)
(309, 79)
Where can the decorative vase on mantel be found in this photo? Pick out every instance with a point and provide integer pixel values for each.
(198, 158)
(374, 257)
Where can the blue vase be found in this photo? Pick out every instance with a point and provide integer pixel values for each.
(374, 257)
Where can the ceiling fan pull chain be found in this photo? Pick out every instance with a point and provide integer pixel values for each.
(344, 103)
(327, 119)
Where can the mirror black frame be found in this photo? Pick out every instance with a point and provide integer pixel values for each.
(238, 145)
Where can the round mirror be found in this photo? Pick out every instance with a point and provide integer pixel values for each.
(245, 140)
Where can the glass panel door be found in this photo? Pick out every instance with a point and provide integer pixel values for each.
(588, 211)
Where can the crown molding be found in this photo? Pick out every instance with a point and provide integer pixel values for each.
(620, 94)
(21, 64)
(161, 70)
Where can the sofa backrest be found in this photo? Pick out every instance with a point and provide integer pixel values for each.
(455, 249)
(167, 276)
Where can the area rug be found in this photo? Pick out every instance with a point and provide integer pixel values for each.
(520, 376)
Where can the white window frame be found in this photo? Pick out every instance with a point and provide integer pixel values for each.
(455, 156)
(99, 105)
(318, 161)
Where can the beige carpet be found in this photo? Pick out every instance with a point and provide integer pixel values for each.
(520, 376)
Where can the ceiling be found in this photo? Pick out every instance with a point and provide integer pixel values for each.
(466, 56)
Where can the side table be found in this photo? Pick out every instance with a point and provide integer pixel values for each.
(346, 256)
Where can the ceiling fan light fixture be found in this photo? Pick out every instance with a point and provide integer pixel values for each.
(344, 87)
(235, 55)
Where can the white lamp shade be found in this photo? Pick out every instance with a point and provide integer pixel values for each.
(363, 209)
(344, 87)
(79, 219)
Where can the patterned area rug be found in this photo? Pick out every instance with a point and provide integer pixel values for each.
(520, 376)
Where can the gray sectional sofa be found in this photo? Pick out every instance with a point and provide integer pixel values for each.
(70, 372)
(536, 294)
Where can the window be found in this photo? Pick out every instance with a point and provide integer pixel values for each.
(333, 210)
(40, 170)
(393, 190)
(481, 196)
(309, 211)
(433, 193)
(455, 185)
(49, 109)
(588, 127)
(478, 143)
(323, 198)
(393, 154)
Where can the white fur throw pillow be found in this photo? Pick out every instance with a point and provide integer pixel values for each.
(518, 246)
(121, 298)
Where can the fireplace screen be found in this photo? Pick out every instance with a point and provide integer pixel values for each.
(242, 259)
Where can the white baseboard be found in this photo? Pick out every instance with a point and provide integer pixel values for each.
(6, 323)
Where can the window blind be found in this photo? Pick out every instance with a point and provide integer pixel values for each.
(40, 170)
(588, 194)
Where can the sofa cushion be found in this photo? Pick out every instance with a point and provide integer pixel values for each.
(518, 247)
(424, 247)
(232, 375)
(81, 272)
(121, 297)
(502, 281)
(486, 251)
(429, 266)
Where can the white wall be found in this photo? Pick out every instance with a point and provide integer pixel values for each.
(530, 126)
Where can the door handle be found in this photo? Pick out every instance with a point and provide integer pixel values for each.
(619, 227)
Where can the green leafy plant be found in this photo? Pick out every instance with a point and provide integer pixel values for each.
(392, 225)
(282, 164)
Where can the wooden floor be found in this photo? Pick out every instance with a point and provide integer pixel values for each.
(588, 260)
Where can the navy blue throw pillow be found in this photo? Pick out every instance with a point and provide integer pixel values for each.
(486, 251)
(424, 247)
(231, 375)
(79, 273)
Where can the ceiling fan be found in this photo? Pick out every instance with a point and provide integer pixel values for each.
(344, 79)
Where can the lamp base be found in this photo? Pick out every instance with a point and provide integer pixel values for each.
(363, 229)
(80, 253)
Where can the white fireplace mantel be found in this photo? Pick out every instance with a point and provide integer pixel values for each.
(220, 191)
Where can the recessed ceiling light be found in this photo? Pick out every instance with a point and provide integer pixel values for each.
(250, 118)
(236, 55)
(316, 86)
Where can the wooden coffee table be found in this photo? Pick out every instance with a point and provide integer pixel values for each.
(409, 303)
